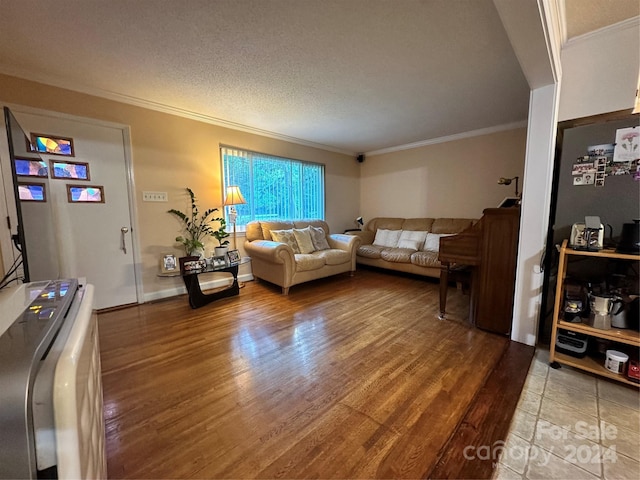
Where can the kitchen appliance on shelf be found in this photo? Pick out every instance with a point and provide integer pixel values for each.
(600, 311)
(630, 238)
(572, 343)
(588, 235)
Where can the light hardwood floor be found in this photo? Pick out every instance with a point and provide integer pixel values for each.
(346, 377)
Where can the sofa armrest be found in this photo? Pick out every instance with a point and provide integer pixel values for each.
(269, 251)
(366, 236)
(348, 243)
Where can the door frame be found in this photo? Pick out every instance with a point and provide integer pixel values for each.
(5, 240)
(550, 252)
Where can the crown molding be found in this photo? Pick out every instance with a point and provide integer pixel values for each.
(561, 12)
(450, 138)
(633, 22)
(163, 108)
(160, 107)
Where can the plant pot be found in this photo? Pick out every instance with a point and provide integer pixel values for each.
(221, 251)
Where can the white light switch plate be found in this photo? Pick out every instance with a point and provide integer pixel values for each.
(155, 197)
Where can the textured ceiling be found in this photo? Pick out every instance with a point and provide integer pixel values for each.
(357, 75)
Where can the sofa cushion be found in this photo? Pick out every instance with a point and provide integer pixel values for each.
(319, 238)
(312, 223)
(370, 251)
(421, 224)
(333, 256)
(303, 238)
(450, 225)
(413, 235)
(411, 244)
(266, 228)
(432, 242)
(387, 238)
(425, 259)
(308, 261)
(419, 235)
(397, 255)
(287, 237)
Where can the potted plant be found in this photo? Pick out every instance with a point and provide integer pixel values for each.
(220, 234)
(197, 227)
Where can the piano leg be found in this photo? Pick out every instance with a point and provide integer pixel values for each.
(444, 284)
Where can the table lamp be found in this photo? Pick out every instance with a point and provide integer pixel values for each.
(232, 198)
(507, 181)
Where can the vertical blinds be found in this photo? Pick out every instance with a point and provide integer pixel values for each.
(274, 187)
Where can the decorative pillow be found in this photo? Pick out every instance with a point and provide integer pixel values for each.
(412, 244)
(418, 235)
(286, 236)
(319, 238)
(387, 238)
(432, 242)
(303, 238)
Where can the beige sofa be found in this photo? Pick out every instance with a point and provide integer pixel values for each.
(406, 244)
(278, 263)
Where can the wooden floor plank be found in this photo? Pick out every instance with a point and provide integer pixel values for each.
(346, 377)
(484, 429)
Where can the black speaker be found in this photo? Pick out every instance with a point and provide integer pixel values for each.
(360, 158)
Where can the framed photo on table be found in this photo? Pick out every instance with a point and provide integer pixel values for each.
(169, 263)
(233, 256)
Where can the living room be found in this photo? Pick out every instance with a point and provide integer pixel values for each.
(454, 174)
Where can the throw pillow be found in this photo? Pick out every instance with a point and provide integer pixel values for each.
(418, 235)
(387, 238)
(412, 244)
(286, 236)
(303, 237)
(319, 238)
(432, 242)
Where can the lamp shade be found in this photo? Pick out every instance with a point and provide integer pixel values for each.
(233, 196)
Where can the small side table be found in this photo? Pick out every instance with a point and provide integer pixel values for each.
(199, 299)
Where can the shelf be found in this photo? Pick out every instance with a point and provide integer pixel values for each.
(591, 365)
(604, 253)
(630, 337)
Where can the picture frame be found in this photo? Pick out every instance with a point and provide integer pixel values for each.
(233, 256)
(85, 193)
(67, 170)
(51, 144)
(169, 263)
(32, 192)
(29, 167)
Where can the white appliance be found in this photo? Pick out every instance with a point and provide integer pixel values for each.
(51, 414)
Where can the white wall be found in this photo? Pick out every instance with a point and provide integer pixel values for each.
(534, 214)
(453, 179)
(600, 71)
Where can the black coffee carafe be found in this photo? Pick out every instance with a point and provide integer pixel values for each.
(630, 238)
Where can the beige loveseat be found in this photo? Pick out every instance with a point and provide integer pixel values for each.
(294, 260)
(406, 244)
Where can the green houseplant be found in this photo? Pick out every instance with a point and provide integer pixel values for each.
(220, 234)
(197, 227)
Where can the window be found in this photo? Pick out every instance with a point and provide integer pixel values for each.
(274, 187)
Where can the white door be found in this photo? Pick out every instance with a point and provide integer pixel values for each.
(93, 240)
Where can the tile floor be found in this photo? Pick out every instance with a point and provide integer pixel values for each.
(572, 425)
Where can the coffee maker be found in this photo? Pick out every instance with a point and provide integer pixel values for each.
(600, 311)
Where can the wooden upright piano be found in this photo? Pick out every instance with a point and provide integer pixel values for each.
(488, 249)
